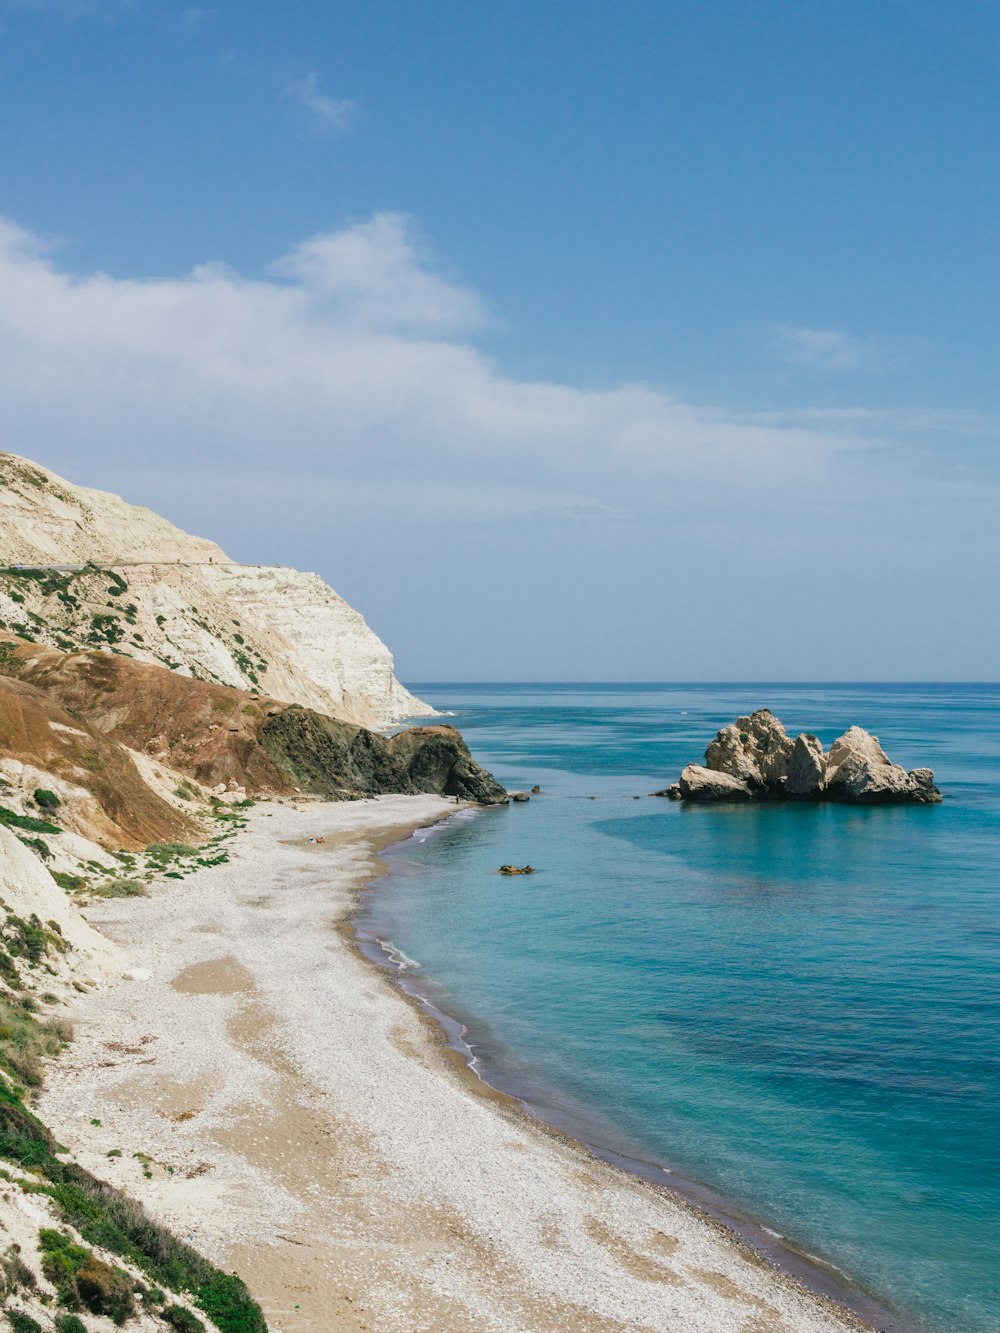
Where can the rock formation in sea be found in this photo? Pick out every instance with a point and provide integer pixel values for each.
(83, 569)
(754, 759)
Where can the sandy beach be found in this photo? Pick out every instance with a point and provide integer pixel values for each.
(273, 1097)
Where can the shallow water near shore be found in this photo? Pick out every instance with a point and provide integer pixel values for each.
(793, 1005)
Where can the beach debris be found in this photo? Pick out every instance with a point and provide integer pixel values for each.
(516, 870)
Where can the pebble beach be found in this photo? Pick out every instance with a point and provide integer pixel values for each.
(270, 1094)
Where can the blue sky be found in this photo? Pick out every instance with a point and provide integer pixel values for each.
(646, 340)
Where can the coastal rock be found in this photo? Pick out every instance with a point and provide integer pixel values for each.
(806, 768)
(704, 784)
(437, 760)
(519, 796)
(754, 758)
(754, 749)
(516, 870)
(860, 771)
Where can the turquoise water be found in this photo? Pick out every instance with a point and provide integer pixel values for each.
(796, 1006)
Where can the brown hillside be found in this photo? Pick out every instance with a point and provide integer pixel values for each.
(220, 735)
(124, 811)
(206, 731)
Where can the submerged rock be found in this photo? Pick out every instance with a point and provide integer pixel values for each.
(754, 758)
(516, 870)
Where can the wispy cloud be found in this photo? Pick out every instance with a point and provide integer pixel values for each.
(823, 349)
(336, 411)
(332, 114)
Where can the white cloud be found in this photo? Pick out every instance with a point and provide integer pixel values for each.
(346, 364)
(336, 413)
(823, 349)
(333, 114)
(374, 273)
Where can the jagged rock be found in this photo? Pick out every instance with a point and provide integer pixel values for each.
(704, 784)
(754, 749)
(806, 768)
(754, 758)
(860, 771)
(436, 759)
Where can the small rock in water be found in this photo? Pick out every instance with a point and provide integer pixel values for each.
(519, 796)
(517, 870)
(536, 791)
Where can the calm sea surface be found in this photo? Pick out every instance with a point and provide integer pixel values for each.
(796, 1006)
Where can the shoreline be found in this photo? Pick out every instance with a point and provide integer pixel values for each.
(285, 1107)
(816, 1275)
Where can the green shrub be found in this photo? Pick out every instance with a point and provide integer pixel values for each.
(24, 1042)
(39, 846)
(121, 887)
(23, 1323)
(80, 1278)
(45, 799)
(70, 1323)
(183, 1320)
(26, 822)
(15, 1275)
(67, 881)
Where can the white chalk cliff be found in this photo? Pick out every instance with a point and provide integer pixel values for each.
(125, 579)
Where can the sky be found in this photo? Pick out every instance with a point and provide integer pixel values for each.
(591, 341)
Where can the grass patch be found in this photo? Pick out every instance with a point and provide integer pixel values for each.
(46, 800)
(23, 1323)
(121, 887)
(27, 822)
(163, 853)
(70, 1323)
(183, 1320)
(67, 881)
(25, 1041)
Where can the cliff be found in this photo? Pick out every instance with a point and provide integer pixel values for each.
(82, 569)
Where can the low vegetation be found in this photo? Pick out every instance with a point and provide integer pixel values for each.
(28, 822)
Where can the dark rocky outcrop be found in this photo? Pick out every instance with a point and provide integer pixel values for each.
(436, 759)
(754, 758)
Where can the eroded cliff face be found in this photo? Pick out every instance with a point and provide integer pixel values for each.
(82, 569)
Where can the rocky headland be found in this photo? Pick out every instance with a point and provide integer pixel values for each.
(755, 759)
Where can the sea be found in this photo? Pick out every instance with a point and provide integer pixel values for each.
(788, 1012)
